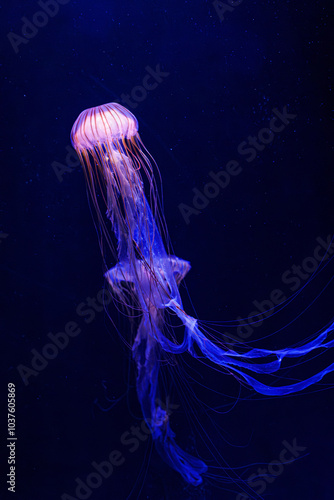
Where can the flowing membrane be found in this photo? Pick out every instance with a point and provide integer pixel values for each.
(146, 277)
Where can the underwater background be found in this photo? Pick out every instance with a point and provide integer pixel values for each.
(205, 80)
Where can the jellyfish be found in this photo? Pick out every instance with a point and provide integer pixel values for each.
(122, 180)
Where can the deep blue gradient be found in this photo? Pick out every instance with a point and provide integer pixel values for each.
(225, 79)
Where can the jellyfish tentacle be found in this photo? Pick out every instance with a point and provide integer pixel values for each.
(179, 268)
(268, 390)
(147, 352)
(234, 360)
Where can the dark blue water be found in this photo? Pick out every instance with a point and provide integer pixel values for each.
(205, 86)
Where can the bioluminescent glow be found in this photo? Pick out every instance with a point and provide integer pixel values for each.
(146, 277)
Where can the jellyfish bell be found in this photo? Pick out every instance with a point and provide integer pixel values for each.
(105, 124)
(109, 134)
(107, 142)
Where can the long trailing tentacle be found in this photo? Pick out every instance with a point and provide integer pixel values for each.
(146, 354)
(253, 360)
